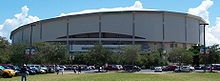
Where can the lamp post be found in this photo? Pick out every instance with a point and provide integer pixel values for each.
(204, 24)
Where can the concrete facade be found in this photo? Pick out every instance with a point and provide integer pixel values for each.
(155, 29)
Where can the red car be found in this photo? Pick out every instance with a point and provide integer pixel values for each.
(112, 67)
(214, 67)
(169, 68)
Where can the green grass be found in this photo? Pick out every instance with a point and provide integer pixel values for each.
(121, 77)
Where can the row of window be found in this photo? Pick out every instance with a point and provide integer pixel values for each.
(103, 35)
(103, 42)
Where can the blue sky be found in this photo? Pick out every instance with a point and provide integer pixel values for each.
(49, 8)
(44, 9)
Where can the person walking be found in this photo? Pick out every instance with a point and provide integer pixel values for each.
(62, 70)
(23, 73)
(74, 69)
(79, 69)
(57, 68)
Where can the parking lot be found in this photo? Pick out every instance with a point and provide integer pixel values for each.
(32, 69)
(147, 71)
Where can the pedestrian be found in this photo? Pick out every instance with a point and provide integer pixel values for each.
(74, 69)
(23, 73)
(62, 70)
(79, 69)
(57, 68)
(99, 69)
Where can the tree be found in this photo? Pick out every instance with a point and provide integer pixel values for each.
(45, 53)
(160, 50)
(4, 50)
(100, 55)
(117, 58)
(131, 54)
(196, 55)
(149, 59)
(51, 52)
(82, 58)
(180, 56)
(18, 54)
(213, 56)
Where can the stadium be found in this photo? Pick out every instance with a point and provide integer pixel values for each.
(152, 29)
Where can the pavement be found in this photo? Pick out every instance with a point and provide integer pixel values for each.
(148, 71)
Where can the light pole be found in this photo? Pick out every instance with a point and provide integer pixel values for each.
(204, 24)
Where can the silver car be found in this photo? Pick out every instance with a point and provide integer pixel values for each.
(185, 69)
(158, 69)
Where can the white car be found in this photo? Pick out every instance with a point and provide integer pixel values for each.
(158, 69)
(42, 71)
(119, 67)
(61, 66)
(185, 69)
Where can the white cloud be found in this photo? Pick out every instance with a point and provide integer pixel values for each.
(202, 9)
(137, 6)
(211, 32)
(19, 19)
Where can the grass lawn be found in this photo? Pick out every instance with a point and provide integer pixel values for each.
(121, 77)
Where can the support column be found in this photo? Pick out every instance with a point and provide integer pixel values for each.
(31, 33)
(100, 29)
(185, 32)
(22, 36)
(67, 37)
(163, 20)
(199, 36)
(185, 29)
(41, 31)
(133, 28)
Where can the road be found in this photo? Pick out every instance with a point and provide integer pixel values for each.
(142, 71)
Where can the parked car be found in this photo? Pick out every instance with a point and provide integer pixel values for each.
(131, 68)
(43, 67)
(61, 66)
(15, 68)
(113, 67)
(110, 67)
(169, 68)
(119, 66)
(37, 68)
(198, 67)
(68, 67)
(214, 67)
(31, 71)
(74, 67)
(90, 67)
(184, 69)
(51, 69)
(158, 69)
(6, 72)
(83, 67)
